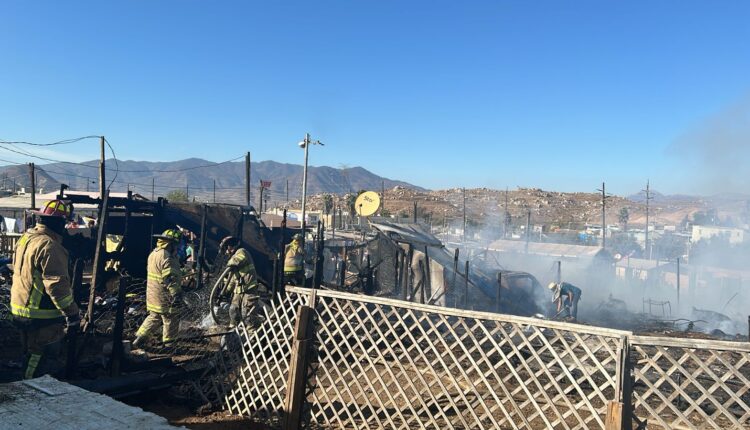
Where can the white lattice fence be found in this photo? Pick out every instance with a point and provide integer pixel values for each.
(254, 370)
(390, 364)
(692, 384)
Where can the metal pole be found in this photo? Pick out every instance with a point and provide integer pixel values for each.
(33, 186)
(466, 285)
(214, 190)
(260, 202)
(304, 184)
(102, 174)
(528, 227)
(499, 288)
(464, 232)
(248, 199)
(382, 197)
(153, 186)
(287, 193)
(455, 273)
(678, 282)
(604, 218)
(415, 212)
(648, 199)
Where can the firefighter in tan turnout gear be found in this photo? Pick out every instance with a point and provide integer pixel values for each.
(41, 295)
(163, 289)
(294, 264)
(244, 279)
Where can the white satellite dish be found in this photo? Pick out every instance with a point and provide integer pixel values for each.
(367, 203)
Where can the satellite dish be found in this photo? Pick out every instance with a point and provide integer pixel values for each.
(367, 203)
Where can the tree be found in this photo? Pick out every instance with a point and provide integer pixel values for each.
(623, 217)
(177, 196)
(327, 203)
(625, 244)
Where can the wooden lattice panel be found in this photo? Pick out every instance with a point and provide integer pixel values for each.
(257, 361)
(691, 384)
(390, 364)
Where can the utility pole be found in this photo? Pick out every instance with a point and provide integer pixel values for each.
(415, 212)
(528, 228)
(506, 216)
(187, 189)
(648, 200)
(152, 187)
(33, 185)
(464, 232)
(260, 203)
(305, 144)
(102, 175)
(605, 196)
(248, 196)
(382, 197)
(287, 193)
(214, 190)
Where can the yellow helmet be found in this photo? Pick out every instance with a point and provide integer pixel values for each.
(552, 286)
(170, 234)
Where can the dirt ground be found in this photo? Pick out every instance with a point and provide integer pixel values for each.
(180, 415)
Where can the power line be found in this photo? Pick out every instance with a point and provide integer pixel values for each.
(59, 142)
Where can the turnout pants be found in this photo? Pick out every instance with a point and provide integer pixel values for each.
(170, 326)
(296, 278)
(42, 347)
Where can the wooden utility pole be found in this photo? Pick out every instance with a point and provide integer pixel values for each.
(260, 202)
(506, 216)
(187, 189)
(464, 231)
(604, 216)
(214, 190)
(382, 197)
(248, 195)
(287, 193)
(648, 199)
(153, 186)
(102, 175)
(678, 282)
(528, 228)
(415, 213)
(33, 185)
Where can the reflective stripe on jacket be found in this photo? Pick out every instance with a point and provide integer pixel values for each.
(163, 281)
(293, 258)
(41, 283)
(248, 277)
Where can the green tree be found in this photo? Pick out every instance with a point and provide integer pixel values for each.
(327, 203)
(177, 196)
(623, 217)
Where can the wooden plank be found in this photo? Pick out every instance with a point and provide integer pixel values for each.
(295, 385)
(614, 416)
(690, 343)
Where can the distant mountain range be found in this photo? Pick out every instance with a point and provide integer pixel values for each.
(195, 174)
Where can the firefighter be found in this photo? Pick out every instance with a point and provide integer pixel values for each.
(41, 294)
(565, 296)
(245, 278)
(294, 265)
(163, 289)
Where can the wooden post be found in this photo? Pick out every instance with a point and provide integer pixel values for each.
(247, 179)
(102, 174)
(678, 283)
(404, 275)
(427, 274)
(200, 257)
(453, 282)
(614, 416)
(99, 257)
(296, 379)
(466, 285)
(117, 350)
(499, 291)
(33, 186)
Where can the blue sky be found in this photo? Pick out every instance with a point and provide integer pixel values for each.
(557, 95)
